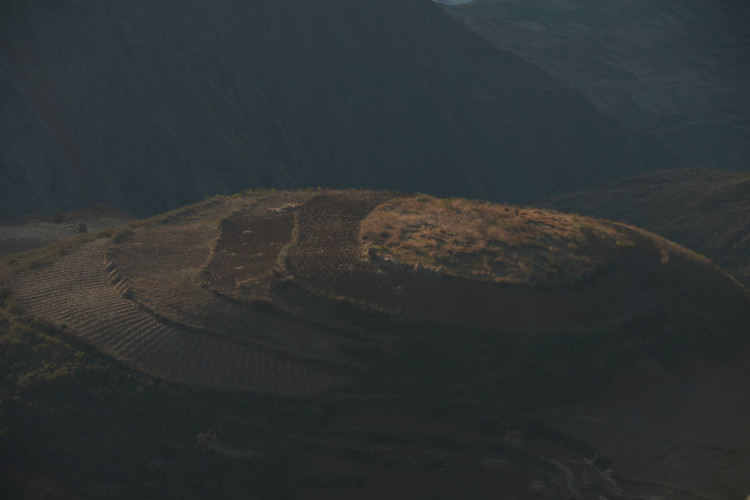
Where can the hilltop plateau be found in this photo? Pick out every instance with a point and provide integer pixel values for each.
(330, 343)
(147, 106)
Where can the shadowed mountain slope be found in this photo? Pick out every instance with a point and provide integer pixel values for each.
(677, 70)
(705, 210)
(150, 105)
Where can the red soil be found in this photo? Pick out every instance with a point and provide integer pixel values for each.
(250, 242)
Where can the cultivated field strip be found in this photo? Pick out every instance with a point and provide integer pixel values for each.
(75, 291)
(329, 226)
(161, 264)
(251, 241)
(164, 257)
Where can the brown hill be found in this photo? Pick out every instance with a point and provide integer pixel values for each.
(705, 210)
(364, 261)
(454, 262)
(404, 321)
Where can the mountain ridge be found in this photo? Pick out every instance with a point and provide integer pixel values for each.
(147, 108)
(676, 71)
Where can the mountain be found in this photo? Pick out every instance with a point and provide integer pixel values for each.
(147, 106)
(339, 343)
(705, 210)
(675, 70)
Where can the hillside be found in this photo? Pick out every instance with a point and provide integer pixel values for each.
(84, 426)
(676, 71)
(146, 107)
(37, 231)
(704, 210)
(390, 344)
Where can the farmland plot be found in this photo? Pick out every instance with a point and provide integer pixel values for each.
(251, 242)
(76, 291)
(163, 263)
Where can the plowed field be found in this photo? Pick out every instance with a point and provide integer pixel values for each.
(77, 291)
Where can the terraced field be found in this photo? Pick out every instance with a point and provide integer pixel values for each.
(179, 294)
(394, 298)
(77, 291)
(163, 264)
(24, 236)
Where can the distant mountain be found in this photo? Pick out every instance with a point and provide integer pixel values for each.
(149, 105)
(677, 70)
(705, 210)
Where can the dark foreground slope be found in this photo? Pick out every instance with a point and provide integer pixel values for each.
(707, 211)
(150, 105)
(361, 344)
(82, 426)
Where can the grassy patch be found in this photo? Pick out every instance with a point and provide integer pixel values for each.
(490, 242)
